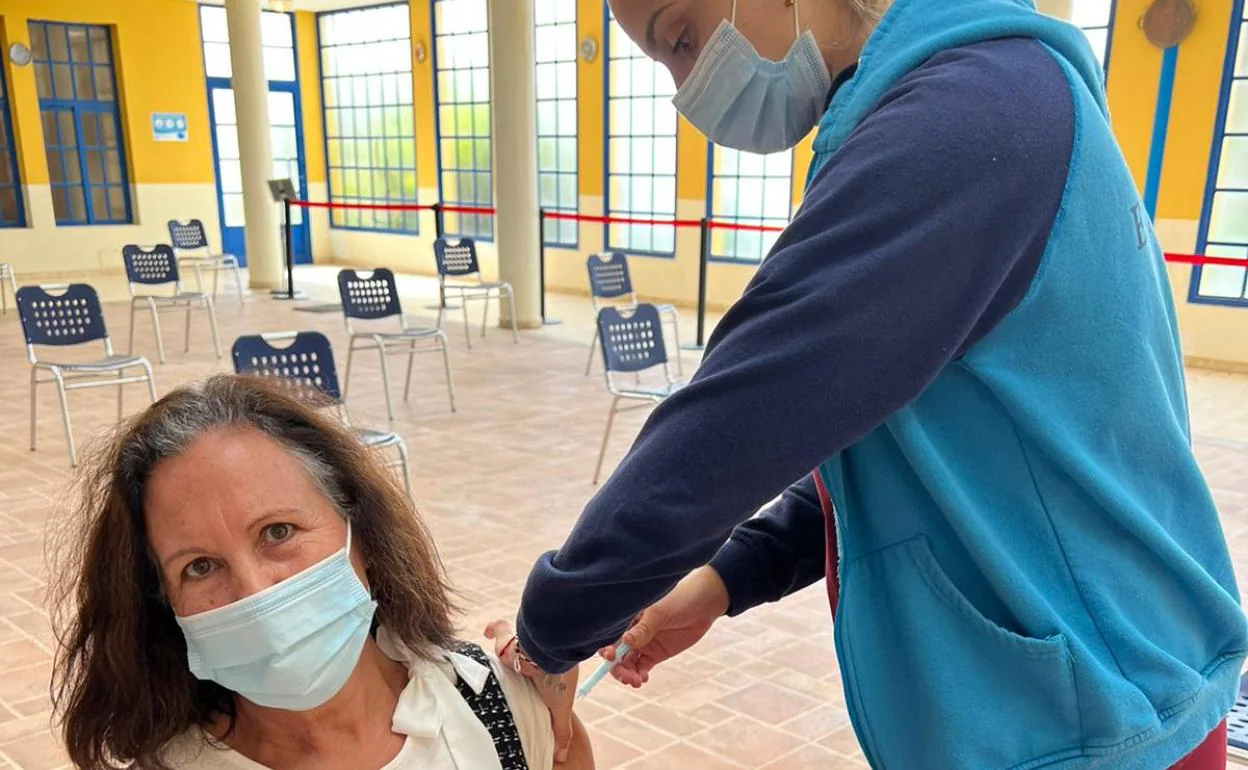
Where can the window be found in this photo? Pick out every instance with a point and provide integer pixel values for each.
(1096, 19)
(11, 212)
(748, 189)
(370, 126)
(276, 40)
(1224, 226)
(81, 123)
(556, 52)
(641, 147)
(462, 61)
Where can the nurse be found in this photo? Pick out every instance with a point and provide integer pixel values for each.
(967, 335)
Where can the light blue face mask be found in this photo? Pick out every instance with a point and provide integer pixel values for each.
(738, 99)
(291, 646)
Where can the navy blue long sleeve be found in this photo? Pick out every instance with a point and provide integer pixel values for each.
(918, 236)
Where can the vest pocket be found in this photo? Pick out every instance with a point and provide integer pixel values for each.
(935, 684)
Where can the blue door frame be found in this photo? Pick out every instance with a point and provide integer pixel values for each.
(232, 238)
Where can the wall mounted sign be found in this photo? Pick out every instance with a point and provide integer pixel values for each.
(1167, 22)
(169, 126)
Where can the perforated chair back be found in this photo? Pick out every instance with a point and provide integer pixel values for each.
(189, 234)
(376, 296)
(150, 267)
(632, 338)
(307, 363)
(456, 257)
(70, 318)
(608, 275)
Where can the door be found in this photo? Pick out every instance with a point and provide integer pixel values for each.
(285, 140)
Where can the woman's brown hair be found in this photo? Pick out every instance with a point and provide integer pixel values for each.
(121, 684)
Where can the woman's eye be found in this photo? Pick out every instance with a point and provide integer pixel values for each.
(197, 569)
(276, 533)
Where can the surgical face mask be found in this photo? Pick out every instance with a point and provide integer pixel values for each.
(291, 646)
(738, 99)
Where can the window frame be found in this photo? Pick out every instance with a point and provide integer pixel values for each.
(1109, 35)
(608, 19)
(711, 176)
(414, 216)
(1238, 22)
(558, 173)
(487, 220)
(77, 108)
(9, 152)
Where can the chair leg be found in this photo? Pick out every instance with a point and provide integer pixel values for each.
(385, 380)
(151, 380)
(130, 344)
(216, 278)
(212, 325)
(446, 364)
(511, 308)
(238, 283)
(407, 480)
(346, 375)
(69, 431)
(680, 367)
(407, 381)
(593, 348)
(199, 276)
(463, 304)
(187, 343)
(160, 346)
(34, 403)
(606, 435)
(121, 395)
(485, 314)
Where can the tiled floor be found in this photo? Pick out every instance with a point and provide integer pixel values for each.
(500, 482)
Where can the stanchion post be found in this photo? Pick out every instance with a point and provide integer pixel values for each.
(288, 242)
(541, 266)
(704, 251)
(439, 229)
(438, 225)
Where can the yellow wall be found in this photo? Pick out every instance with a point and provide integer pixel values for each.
(159, 68)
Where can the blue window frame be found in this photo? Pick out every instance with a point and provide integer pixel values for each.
(1224, 221)
(556, 52)
(747, 188)
(370, 124)
(12, 211)
(641, 147)
(461, 43)
(1096, 19)
(82, 132)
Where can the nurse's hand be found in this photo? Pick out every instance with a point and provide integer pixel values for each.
(671, 625)
(557, 690)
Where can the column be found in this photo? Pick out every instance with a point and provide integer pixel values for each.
(1058, 8)
(515, 153)
(251, 100)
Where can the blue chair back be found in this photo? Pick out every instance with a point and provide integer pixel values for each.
(150, 267)
(632, 338)
(376, 296)
(70, 318)
(608, 275)
(188, 235)
(306, 363)
(456, 257)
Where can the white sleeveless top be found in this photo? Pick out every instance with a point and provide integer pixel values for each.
(442, 731)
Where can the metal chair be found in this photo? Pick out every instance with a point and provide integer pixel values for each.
(158, 267)
(457, 259)
(307, 363)
(73, 317)
(632, 343)
(373, 296)
(191, 236)
(6, 274)
(609, 279)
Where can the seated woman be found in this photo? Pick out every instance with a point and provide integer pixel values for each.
(245, 586)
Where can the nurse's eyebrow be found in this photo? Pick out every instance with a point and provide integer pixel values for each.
(654, 18)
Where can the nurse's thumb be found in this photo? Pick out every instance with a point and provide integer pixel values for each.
(645, 628)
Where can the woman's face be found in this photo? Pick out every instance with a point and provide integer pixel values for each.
(234, 514)
(673, 32)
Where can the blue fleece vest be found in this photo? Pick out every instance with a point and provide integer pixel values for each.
(1032, 570)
